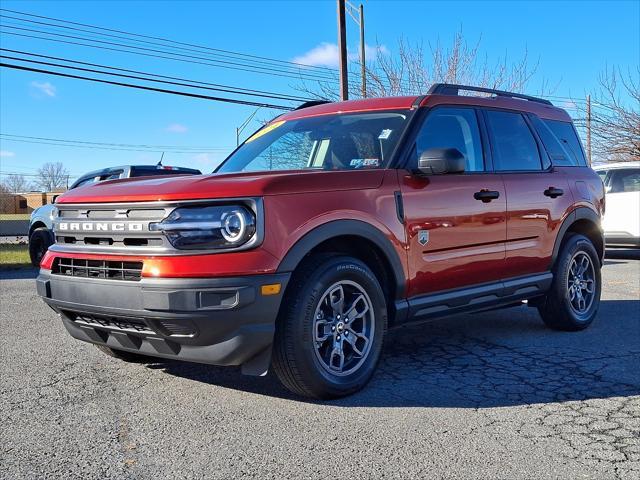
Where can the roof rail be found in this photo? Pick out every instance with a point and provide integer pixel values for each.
(453, 89)
(311, 103)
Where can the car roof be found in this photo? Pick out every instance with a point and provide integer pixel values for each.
(616, 165)
(543, 110)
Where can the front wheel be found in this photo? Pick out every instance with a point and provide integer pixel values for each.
(330, 331)
(39, 242)
(573, 300)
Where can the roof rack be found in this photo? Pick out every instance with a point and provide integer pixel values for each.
(311, 103)
(453, 89)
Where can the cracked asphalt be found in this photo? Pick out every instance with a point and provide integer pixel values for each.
(491, 395)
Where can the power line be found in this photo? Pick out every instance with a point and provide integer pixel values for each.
(227, 89)
(258, 57)
(258, 63)
(212, 62)
(239, 89)
(107, 148)
(128, 145)
(152, 89)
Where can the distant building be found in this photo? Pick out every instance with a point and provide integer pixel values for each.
(25, 202)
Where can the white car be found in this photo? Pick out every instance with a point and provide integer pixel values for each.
(41, 225)
(621, 222)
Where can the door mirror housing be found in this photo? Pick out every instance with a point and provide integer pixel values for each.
(438, 161)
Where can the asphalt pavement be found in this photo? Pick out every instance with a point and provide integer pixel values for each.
(491, 395)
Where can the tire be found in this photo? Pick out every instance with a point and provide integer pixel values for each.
(562, 307)
(324, 348)
(123, 355)
(39, 241)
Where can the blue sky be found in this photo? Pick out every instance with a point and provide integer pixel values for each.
(574, 41)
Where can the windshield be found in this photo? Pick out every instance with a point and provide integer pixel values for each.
(327, 142)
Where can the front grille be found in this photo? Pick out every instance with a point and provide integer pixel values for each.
(106, 321)
(107, 269)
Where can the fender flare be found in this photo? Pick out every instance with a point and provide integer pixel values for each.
(338, 228)
(580, 213)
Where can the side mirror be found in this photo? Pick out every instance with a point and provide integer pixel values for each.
(54, 198)
(438, 161)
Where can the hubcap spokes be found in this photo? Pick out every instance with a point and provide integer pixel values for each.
(343, 328)
(581, 282)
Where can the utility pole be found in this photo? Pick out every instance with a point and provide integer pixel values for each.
(244, 125)
(363, 71)
(589, 128)
(359, 19)
(342, 50)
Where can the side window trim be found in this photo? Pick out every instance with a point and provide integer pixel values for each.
(411, 146)
(536, 139)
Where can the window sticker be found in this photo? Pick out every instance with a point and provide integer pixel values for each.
(365, 163)
(385, 134)
(264, 131)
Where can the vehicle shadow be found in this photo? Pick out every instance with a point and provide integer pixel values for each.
(10, 273)
(622, 254)
(495, 359)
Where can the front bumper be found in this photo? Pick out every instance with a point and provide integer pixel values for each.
(220, 321)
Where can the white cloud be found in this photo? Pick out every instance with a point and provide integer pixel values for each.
(44, 88)
(176, 128)
(326, 54)
(7, 153)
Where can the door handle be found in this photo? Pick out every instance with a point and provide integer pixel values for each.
(486, 195)
(553, 192)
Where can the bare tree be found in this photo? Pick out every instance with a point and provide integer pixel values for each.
(52, 176)
(615, 116)
(16, 183)
(414, 68)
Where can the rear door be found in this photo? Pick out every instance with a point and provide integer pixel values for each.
(455, 238)
(538, 196)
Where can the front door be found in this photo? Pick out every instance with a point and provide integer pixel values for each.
(456, 224)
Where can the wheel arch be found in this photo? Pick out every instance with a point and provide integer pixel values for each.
(584, 221)
(360, 240)
(39, 224)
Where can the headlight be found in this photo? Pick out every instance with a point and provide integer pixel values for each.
(212, 227)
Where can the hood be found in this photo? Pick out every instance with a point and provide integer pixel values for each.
(218, 186)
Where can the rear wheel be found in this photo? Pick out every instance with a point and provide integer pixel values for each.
(124, 355)
(39, 242)
(573, 300)
(331, 328)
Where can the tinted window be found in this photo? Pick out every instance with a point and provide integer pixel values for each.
(514, 146)
(84, 181)
(560, 155)
(152, 171)
(568, 137)
(624, 180)
(453, 128)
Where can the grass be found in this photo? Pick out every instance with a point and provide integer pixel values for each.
(15, 216)
(14, 256)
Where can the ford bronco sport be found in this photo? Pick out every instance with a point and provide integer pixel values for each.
(327, 226)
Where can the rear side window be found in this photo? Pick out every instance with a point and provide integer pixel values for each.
(624, 180)
(513, 144)
(560, 155)
(567, 136)
(453, 128)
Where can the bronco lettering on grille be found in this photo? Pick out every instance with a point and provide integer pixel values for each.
(100, 227)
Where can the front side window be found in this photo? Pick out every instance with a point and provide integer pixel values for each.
(453, 128)
(514, 147)
(624, 180)
(327, 142)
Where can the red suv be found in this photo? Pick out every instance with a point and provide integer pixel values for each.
(329, 225)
